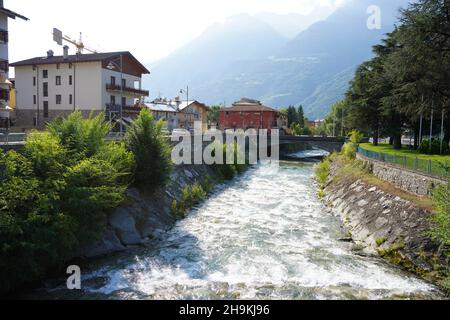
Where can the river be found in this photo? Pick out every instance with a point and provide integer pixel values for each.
(265, 235)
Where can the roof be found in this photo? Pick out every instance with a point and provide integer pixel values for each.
(184, 104)
(175, 104)
(249, 105)
(161, 107)
(12, 14)
(90, 57)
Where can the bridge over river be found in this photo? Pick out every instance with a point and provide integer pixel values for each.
(329, 144)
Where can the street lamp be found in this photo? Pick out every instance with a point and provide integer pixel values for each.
(187, 101)
(113, 65)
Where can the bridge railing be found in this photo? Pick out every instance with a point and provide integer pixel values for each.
(6, 138)
(426, 166)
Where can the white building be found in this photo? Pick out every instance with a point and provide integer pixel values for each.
(52, 86)
(166, 111)
(5, 14)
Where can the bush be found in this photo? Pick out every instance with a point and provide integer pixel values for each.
(82, 137)
(57, 195)
(190, 197)
(120, 158)
(46, 154)
(435, 147)
(322, 170)
(34, 235)
(351, 147)
(151, 151)
(92, 191)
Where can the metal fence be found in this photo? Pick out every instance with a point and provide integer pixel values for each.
(6, 138)
(429, 167)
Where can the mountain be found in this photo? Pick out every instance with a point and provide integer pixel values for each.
(248, 56)
(202, 62)
(290, 25)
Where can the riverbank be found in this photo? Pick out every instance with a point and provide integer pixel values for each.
(144, 215)
(385, 221)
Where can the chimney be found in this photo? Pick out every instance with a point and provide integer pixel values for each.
(66, 52)
(50, 53)
(1, 3)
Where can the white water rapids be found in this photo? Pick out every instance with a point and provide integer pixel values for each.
(265, 235)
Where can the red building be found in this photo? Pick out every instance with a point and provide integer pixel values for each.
(248, 113)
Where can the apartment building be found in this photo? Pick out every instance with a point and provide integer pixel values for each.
(5, 84)
(52, 86)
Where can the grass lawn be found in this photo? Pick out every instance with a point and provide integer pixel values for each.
(388, 149)
(411, 159)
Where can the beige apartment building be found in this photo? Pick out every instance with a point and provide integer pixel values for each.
(52, 86)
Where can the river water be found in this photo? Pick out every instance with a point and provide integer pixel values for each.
(265, 235)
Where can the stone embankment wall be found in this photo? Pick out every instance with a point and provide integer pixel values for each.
(407, 180)
(145, 215)
(380, 223)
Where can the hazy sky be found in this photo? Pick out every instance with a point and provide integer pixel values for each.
(150, 29)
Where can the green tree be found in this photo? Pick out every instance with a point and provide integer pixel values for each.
(301, 116)
(292, 115)
(151, 151)
(213, 114)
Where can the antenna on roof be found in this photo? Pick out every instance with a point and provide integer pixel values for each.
(58, 37)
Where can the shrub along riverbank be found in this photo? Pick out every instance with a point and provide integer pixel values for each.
(343, 170)
(56, 194)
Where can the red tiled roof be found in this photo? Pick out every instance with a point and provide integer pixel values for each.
(249, 105)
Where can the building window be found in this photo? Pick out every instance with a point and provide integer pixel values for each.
(34, 99)
(3, 36)
(4, 94)
(4, 65)
(45, 89)
(70, 99)
(45, 74)
(58, 99)
(124, 101)
(113, 81)
(70, 80)
(45, 109)
(58, 80)
(113, 100)
(34, 81)
(57, 66)
(124, 83)
(70, 65)
(34, 68)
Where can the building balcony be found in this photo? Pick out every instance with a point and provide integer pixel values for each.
(127, 90)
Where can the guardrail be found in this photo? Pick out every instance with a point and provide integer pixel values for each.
(6, 138)
(430, 167)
